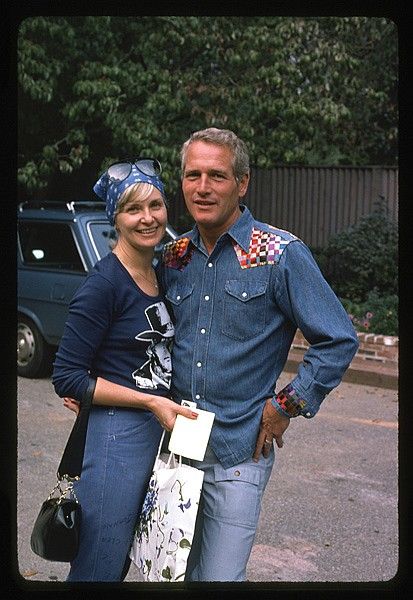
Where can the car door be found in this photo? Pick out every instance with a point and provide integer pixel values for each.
(50, 271)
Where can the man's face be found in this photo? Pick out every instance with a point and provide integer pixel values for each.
(210, 189)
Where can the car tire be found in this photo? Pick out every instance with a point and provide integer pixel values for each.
(34, 355)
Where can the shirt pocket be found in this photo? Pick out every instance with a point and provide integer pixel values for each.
(237, 494)
(244, 311)
(180, 298)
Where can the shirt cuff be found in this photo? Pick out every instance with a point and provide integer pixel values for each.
(290, 404)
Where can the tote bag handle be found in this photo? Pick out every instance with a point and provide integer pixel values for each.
(171, 454)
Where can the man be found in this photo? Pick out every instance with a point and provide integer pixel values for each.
(239, 289)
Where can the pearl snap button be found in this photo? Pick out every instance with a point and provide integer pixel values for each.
(308, 414)
(237, 473)
(178, 297)
(210, 265)
(206, 297)
(199, 364)
(244, 294)
(203, 330)
(197, 397)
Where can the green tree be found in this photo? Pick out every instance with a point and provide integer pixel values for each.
(298, 90)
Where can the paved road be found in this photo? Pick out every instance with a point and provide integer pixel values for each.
(330, 509)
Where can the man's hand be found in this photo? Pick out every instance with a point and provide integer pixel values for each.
(273, 425)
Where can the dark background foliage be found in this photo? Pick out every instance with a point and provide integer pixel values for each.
(361, 266)
(306, 90)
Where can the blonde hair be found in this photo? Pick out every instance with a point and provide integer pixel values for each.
(137, 191)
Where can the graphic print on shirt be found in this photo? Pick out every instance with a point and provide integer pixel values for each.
(157, 370)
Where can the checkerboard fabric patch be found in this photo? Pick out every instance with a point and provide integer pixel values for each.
(176, 254)
(265, 248)
(290, 401)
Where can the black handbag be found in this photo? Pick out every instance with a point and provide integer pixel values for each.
(55, 534)
(56, 531)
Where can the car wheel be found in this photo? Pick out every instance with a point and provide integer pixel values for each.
(34, 355)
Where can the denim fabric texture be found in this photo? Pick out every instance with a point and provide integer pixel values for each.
(235, 314)
(120, 451)
(228, 514)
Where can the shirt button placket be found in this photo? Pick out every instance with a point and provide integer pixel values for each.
(201, 339)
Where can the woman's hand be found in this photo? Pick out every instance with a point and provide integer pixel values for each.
(166, 410)
(71, 404)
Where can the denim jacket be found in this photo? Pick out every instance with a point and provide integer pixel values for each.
(236, 312)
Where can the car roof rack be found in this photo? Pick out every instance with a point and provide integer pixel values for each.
(79, 204)
(73, 206)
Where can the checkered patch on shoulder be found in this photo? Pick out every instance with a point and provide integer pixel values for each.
(265, 248)
(176, 254)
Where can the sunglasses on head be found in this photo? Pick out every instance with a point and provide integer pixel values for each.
(119, 171)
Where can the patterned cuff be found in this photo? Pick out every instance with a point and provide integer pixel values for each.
(291, 403)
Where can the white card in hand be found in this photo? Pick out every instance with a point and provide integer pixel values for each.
(190, 437)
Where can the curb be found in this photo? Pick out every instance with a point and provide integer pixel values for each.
(376, 375)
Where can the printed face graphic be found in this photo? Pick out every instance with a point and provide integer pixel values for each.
(157, 370)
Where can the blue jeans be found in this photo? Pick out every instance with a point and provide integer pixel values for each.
(227, 518)
(121, 447)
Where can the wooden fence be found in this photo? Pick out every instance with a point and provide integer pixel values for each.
(314, 202)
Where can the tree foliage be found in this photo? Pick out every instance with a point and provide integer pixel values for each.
(297, 90)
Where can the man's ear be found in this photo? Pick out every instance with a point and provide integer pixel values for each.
(243, 185)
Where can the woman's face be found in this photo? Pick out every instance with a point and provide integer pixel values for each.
(142, 223)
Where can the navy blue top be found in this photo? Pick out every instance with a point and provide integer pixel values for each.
(114, 331)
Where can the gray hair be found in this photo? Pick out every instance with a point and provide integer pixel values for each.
(221, 137)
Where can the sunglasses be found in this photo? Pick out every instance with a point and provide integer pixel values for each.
(119, 171)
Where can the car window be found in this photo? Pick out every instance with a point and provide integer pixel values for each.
(103, 237)
(49, 246)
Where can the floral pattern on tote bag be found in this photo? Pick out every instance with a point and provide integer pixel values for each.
(164, 532)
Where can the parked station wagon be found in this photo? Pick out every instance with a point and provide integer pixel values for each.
(57, 245)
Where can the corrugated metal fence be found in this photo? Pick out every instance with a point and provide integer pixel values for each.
(315, 202)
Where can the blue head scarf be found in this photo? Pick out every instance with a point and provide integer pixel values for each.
(110, 192)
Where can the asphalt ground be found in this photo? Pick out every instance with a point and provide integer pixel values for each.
(330, 510)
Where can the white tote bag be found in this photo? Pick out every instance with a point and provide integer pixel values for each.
(164, 531)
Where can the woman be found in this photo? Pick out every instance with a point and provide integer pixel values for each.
(117, 322)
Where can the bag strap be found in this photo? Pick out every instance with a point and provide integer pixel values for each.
(171, 454)
(70, 465)
(160, 444)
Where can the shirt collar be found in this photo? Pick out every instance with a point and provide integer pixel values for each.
(242, 228)
(240, 231)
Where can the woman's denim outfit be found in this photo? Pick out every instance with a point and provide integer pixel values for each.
(120, 451)
(236, 312)
(111, 327)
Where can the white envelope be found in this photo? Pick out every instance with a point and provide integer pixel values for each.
(190, 437)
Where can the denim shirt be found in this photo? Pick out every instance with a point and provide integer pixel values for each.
(236, 312)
